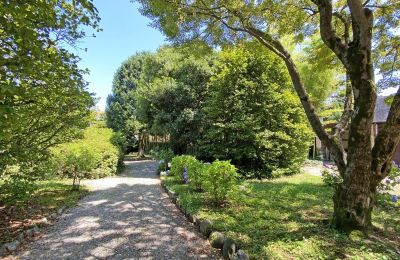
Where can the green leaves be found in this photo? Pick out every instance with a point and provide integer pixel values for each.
(251, 115)
(43, 97)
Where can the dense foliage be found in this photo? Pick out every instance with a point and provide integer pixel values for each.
(121, 104)
(43, 97)
(362, 36)
(97, 155)
(217, 178)
(220, 178)
(236, 105)
(252, 116)
(171, 95)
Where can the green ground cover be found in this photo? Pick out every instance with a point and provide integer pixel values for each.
(289, 218)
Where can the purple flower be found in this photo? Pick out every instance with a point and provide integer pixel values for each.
(186, 176)
(395, 198)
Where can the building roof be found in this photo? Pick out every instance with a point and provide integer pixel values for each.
(381, 110)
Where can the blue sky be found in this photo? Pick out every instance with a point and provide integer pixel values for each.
(125, 32)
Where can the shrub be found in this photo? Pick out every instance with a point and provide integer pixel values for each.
(331, 178)
(197, 172)
(16, 188)
(220, 178)
(179, 163)
(164, 156)
(95, 156)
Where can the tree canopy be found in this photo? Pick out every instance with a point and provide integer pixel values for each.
(43, 98)
(362, 36)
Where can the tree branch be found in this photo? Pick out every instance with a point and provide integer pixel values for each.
(387, 141)
(328, 34)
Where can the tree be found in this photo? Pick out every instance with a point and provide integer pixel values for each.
(171, 94)
(43, 97)
(121, 104)
(349, 29)
(252, 117)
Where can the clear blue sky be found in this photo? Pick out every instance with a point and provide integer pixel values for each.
(125, 32)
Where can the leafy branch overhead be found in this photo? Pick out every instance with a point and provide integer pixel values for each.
(363, 36)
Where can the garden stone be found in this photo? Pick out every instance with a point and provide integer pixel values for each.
(229, 248)
(43, 221)
(241, 255)
(12, 246)
(217, 240)
(60, 211)
(205, 227)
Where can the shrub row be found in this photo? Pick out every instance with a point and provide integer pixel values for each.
(97, 155)
(217, 178)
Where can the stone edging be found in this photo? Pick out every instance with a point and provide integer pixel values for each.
(217, 239)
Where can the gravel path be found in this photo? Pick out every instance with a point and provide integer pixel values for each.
(126, 217)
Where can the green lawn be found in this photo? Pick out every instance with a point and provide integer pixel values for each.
(288, 218)
(21, 214)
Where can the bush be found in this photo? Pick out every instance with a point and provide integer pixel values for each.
(331, 178)
(16, 188)
(220, 178)
(197, 172)
(179, 163)
(164, 156)
(95, 156)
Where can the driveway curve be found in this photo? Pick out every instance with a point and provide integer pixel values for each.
(125, 217)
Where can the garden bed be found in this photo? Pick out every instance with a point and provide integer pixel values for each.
(289, 218)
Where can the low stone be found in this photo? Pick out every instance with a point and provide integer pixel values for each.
(229, 249)
(206, 227)
(241, 255)
(43, 221)
(60, 211)
(12, 246)
(217, 240)
(53, 216)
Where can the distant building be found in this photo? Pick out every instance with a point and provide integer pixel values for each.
(381, 114)
(318, 150)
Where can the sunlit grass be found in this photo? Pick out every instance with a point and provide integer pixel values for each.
(290, 218)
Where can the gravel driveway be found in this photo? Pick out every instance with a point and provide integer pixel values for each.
(126, 217)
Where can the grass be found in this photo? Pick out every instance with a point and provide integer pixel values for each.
(289, 218)
(21, 214)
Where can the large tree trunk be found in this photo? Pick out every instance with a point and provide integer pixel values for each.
(354, 199)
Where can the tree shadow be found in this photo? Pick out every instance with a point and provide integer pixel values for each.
(133, 218)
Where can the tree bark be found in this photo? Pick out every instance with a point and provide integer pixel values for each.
(354, 198)
(141, 145)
